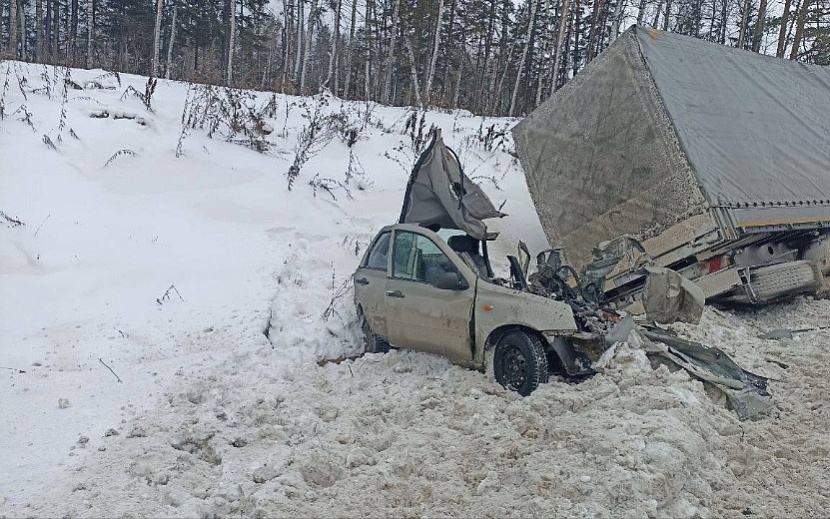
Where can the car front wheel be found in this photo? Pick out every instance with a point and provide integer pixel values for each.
(519, 362)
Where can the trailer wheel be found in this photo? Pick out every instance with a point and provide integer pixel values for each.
(785, 279)
(519, 362)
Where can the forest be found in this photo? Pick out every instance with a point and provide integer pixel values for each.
(491, 57)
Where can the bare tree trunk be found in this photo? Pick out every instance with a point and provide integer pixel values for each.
(13, 21)
(390, 57)
(668, 15)
(782, 33)
(744, 18)
(615, 23)
(799, 28)
(436, 47)
(154, 65)
(231, 42)
(487, 77)
(564, 14)
(498, 94)
(540, 83)
(577, 32)
(73, 30)
(531, 22)
(56, 29)
(457, 86)
(170, 44)
(657, 14)
(414, 73)
(312, 19)
(335, 35)
(367, 90)
(641, 11)
(47, 31)
(349, 47)
(90, 30)
(300, 32)
(288, 13)
(21, 12)
(759, 26)
(599, 6)
(38, 30)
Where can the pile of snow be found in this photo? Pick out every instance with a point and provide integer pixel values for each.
(228, 406)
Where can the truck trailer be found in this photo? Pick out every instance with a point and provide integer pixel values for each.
(716, 159)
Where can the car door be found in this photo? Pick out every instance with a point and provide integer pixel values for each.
(419, 315)
(370, 283)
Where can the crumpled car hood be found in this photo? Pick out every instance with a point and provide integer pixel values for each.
(438, 192)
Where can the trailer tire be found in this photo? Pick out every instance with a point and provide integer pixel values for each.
(784, 279)
(519, 362)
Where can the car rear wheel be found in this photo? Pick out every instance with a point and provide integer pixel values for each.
(519, 362)
(373, 343)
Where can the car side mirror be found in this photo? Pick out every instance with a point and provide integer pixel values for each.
(450, 281)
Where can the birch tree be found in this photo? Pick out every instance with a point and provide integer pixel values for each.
(231, 42)
(349, 48)
(90, 30)
(38, 30)
(414, 74)
(564, 14)
(386, 95)
(335, 36)
(154, 64)
(312, 20)
(171, 43)
(435, 48)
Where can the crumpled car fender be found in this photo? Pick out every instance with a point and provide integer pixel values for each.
(497, 307)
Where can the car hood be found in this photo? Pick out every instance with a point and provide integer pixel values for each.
(438, 192)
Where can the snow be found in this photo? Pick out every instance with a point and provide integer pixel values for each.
(215, 418)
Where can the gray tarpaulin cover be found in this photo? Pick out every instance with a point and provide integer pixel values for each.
(440, 193)
(755, 129)
(660, 127)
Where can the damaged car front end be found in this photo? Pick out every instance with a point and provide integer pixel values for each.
(419, 290)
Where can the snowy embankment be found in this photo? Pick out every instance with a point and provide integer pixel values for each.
(213, 417)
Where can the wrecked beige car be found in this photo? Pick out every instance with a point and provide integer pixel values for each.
(414, 290)
(426, 284)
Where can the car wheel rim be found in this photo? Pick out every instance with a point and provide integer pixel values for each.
(514, 367)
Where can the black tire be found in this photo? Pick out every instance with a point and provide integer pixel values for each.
(519, 362)
(372, 342)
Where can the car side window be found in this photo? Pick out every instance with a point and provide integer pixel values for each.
(376, 259)
(417, 258)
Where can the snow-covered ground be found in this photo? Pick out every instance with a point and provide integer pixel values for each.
(212, 417)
